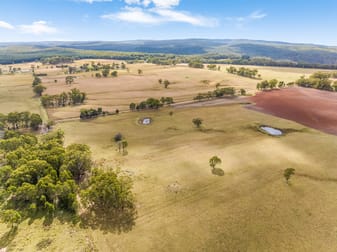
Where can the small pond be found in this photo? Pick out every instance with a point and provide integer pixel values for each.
(271, 131)
(145, 121)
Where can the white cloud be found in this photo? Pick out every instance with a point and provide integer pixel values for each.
(177, 16)
(156, 3)
(133, 15)
(6, 25)
(37, 28)
(162, 12)
(241, 21)
(257, 15)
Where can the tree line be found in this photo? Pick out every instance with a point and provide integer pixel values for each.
(272, 84)
(42, 176)
(244, 72)
(74, 97)
(319, 80)
(151, 103)
(18, 120)
(218, 92)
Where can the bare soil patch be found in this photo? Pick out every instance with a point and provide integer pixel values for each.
(313, 108)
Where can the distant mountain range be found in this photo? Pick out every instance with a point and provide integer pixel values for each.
(278, 51)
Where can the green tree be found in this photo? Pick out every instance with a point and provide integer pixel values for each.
(105, 72)
(77, 160)
(242, 92)
(288, 173)
(35, 121)
(140, 71)
(36, 81)
(11, 217)
(213, 161)
(114, 73)
(166, 83)
(108, 192)
(197, 122)
(132, 106)
(69, 79)
(38, 89)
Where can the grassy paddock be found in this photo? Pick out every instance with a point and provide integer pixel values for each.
(183, 206)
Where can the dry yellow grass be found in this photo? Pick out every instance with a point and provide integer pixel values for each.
(181, 205)
(117, 93)
(16, 94)
(250, 208)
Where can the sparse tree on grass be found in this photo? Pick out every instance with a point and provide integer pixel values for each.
(140, 71)
(114, 73)
(288, 173)
(197, 122)
(242, 92)
(213, 161)
(69, 80)
(166, 83)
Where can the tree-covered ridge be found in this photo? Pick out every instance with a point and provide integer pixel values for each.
(44, 176)
(171, 52)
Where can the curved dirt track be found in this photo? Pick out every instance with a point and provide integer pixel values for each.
(313, 108)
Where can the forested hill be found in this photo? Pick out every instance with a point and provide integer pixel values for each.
(217, 49)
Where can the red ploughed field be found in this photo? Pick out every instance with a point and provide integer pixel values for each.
(310, 107)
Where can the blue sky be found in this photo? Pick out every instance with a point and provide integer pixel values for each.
(309, 21)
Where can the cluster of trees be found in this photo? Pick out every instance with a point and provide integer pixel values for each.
(75, 96)
(121, 142)
(104, 68)
(213, 67)
(55, 60)
(17, 120)
(319, 80)
(151, 103)
(45, 177)
(92, 113)
(105, 73)
(272, 84)
(196, 64)
(169, 60)
(217, 93)
(243, 71)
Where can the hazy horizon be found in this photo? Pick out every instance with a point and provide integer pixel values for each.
(305, 22)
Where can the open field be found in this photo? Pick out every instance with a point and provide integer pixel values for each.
(181, 205)
(117, 93)
(311, 107)
(16, 94)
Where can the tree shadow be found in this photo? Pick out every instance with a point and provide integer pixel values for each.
(8, 237)
(116, 221)
(218, 172)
